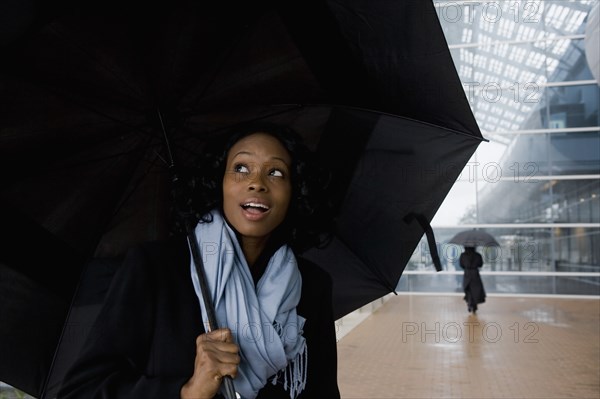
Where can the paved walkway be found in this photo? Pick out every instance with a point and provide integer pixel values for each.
(421, 346)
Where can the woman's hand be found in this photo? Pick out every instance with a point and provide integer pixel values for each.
(216, 356)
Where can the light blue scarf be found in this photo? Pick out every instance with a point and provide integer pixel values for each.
(263, 319)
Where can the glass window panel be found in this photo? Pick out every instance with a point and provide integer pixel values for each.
(540, 201)
(525, 32)
(556, 15)
(569, 61)
(516, 199)
(574, 21)
(467, 35)
(565, 17)
(575, 153)
(553, 201)
(548, 249)
(577, 249)
(572, 106)
(576, 201)
(569, 106)
(523, 102)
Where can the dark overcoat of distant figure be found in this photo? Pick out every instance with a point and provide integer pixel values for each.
(471, 261)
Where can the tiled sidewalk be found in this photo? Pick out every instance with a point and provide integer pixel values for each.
(418, 346)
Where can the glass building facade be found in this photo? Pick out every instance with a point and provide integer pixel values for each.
(530, 72)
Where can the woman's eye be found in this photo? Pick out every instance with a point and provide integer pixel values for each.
(241, 168)
(276, 173)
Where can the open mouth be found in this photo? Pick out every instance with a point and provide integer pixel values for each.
(255, 207)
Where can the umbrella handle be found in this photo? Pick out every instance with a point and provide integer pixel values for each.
(229, 390)
(210, 309)
(430, 237)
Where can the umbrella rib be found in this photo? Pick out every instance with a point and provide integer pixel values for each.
(171, 160)
(375, 271)
(134, 129)
(350, 107)
(72, 100)
(93, 59)
(218, 68)
(134, 187)
(216, 131)
(140, 148)
(372, 111)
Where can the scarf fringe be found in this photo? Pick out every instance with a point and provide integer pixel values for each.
(294, 374)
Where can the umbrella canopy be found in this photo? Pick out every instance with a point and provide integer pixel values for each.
(474, 238)
(369, 84)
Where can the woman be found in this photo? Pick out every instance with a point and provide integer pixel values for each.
(256, 207)
(471, 261)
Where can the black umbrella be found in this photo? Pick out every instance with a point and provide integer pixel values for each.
(474, 238)
(369, 84)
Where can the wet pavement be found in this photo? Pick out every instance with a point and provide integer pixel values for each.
(426, 346)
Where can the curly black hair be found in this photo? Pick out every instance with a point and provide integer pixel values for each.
(309, 221)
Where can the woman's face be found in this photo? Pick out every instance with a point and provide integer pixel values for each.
(257, 185)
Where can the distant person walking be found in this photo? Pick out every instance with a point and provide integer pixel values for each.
(471, 261)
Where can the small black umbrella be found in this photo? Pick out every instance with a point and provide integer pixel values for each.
(474, 238)
(369, 84)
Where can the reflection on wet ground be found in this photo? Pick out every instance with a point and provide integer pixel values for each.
(502, 284)
(548, 315)
(424, 346)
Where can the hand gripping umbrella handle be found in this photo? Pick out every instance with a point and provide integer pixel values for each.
(191, 234)
(210, 309)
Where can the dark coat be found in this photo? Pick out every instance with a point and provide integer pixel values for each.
(471, 262)
(143, 343)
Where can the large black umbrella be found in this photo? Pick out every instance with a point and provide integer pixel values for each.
(369, 84)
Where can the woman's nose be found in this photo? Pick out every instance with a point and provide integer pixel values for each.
(256, 182)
